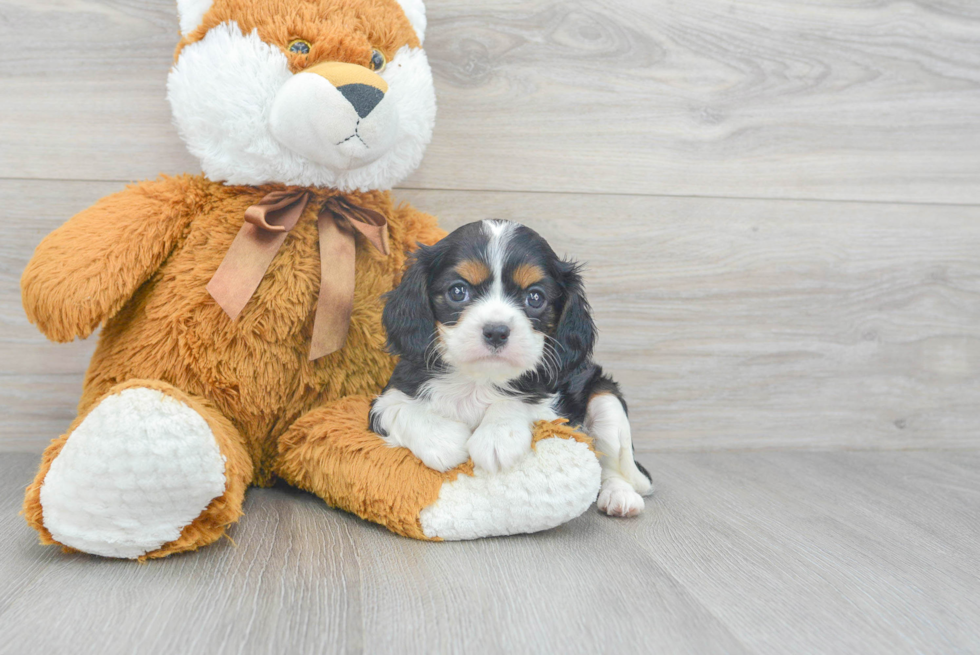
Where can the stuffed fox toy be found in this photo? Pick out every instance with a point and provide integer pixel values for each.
(241, 309)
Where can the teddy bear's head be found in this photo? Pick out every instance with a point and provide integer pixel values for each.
(330, 93)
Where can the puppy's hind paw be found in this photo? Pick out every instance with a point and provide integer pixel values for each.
(618, 498)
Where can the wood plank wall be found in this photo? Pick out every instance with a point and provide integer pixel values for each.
(779, 202)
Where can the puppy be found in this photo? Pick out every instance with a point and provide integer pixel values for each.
(494, 333)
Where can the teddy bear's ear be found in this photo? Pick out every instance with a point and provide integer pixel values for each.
(191, 13)
(415, 10)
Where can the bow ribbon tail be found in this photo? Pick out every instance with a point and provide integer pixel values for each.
(255, 246)
(336, 223)
(335, 301)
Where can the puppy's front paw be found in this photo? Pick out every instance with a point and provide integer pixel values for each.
(498, 446)
(443, 447)
(618, 498)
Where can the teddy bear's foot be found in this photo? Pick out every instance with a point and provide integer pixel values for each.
(141, 475)
(138, 469)
(557, 482)
(331, 452)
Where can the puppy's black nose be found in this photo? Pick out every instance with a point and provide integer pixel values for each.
(364, 98)
(496, 334)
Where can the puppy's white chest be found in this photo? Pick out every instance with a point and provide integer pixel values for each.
(462, 400)
(467, 402)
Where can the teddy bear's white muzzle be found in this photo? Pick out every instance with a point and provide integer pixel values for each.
(339, 127)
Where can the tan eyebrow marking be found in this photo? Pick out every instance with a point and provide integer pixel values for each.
(527, 274)
(473, 271)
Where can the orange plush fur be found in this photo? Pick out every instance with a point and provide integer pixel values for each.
(355, 30)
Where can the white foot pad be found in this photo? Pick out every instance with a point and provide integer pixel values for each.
(136, 471)
(618, 498)
(556, 482)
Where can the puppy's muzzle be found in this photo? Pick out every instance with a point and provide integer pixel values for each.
(496, 334)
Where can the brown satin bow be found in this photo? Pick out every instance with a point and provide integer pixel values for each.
(266, 225)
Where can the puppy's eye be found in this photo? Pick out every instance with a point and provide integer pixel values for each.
(299, 47)
(378, 61)
(458, 293)
(535, 299)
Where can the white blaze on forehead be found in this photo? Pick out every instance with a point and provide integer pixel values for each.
(499, 234)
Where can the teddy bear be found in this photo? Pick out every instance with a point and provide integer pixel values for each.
(240, 309)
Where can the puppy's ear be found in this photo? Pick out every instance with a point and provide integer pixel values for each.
(576, 330)
(408, 317)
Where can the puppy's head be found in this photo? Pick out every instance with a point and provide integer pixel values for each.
(493, 302)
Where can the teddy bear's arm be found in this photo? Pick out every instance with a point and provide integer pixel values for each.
(84, 272)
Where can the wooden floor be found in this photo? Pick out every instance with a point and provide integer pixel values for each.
(779, 206)
(833, 552)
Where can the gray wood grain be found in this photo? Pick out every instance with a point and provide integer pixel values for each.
(730, 323)
(40, 382)
(772, 324)
(839, 100)
(737, 552)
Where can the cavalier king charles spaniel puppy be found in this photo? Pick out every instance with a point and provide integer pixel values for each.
(494, 333)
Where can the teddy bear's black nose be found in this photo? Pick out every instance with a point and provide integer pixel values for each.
(362, 97)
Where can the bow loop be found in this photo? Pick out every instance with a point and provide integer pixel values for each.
(259, 239)
(372, 224)
(279, 211)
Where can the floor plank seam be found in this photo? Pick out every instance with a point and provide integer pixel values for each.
(864, 201)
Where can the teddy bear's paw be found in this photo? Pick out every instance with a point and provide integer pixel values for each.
(553, 484)
(618, 498)
(139, 468)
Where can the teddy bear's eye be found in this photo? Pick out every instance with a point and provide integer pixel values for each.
(378, 61)
(299, 47)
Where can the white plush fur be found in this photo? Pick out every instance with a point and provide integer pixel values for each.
(313, 119)
(622, 482)
(191, 13)
(138, 469)
(554, 484)
(223, 89)
(415, 11)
